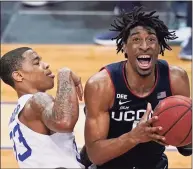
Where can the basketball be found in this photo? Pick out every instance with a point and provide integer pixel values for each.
(175, 117)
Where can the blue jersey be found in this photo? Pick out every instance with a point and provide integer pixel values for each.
(127, 111)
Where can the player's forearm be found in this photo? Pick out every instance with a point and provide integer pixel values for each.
(103, 151)
(61, 114)
(65, 108)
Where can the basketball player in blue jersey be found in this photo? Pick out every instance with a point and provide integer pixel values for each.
(41, 127)
(120, 98)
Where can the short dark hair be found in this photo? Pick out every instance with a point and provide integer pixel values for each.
(11, 62)
(128, 20)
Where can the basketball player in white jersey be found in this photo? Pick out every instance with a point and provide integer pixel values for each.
(41, 127)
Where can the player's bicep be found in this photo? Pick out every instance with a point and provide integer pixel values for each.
(96, 126)
(97, 99)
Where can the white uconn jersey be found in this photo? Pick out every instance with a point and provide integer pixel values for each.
(34, 150)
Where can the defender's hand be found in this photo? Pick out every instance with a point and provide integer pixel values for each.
(65, 73)
(78, 84)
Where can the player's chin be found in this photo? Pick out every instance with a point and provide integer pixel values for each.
(49, 83)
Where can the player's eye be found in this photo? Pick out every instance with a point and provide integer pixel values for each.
(36, 63)
(152, 39)
(136, 39)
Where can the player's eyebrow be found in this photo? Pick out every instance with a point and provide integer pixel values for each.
(149, 32)
(36, 58)
(134, 33)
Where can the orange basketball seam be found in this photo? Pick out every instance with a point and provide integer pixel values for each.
(176, 121)
(176, 96)
(158, 113)
(187, 135)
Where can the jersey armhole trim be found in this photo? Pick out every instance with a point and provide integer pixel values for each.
(169, 75)
(23, 106)
(112, 85)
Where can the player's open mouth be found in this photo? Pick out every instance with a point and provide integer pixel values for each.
(144, 61)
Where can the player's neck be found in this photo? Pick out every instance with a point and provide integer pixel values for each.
(23, 91)
(138, 84)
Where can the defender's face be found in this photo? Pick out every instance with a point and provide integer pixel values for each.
(35, 72)
(142, 48)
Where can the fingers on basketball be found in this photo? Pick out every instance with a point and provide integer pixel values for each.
(175, 116)
(148, 111)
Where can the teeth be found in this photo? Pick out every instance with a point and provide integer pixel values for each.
(143, 56)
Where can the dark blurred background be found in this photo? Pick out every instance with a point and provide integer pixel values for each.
(80, 22)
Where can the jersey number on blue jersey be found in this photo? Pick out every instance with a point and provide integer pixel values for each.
(17, 134)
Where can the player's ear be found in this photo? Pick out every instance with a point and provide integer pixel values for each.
(17, 76)
(159, 49)
(124, 48)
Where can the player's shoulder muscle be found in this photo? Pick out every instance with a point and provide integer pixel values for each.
(38, 103)
(179, 81)
(99, 91)
(99, 82)
(177, 72)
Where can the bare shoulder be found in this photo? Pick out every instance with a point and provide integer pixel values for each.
(179, 81)
(178, 75)
(41, 95)
(40, 101)
(36, 104)
(99, 91)
(177, 72)
(99, 77)
(100, 81)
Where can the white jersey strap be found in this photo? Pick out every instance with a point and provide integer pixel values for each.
(20, 105)
(23, 100)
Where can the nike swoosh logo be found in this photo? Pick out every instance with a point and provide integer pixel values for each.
(120, 102)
